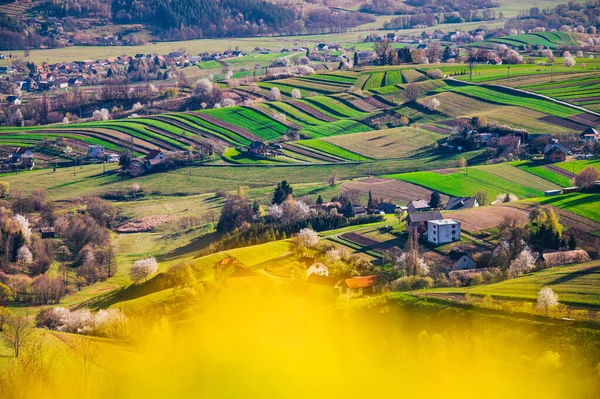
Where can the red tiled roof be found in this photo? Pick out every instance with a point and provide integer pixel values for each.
(361, 282)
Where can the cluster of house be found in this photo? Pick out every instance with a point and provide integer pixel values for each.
(20, 157)
(63, 75)
(262, 150)
(431, 225)
(231, 274)
(425, 36)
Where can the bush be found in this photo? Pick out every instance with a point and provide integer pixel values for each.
(411, 283)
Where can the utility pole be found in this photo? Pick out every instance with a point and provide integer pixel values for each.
(508, 72)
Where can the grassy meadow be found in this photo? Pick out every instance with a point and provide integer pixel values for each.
(575, 285)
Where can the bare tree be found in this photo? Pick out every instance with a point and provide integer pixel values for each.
(412, 92)
(587, 177)
(17, 332)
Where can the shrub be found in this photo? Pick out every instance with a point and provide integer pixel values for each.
(435, 74)
(411, 283)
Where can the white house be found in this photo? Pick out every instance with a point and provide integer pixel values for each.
(443, 231)
(465, 262)
(96, 152)
(318, 269)
(156, 157)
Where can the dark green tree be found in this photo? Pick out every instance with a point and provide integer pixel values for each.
(370, 203)
(348, 210)
(572, 242)
(447, 54)
(281, 192)
(356, 58)
(435, 201)
(319, 200)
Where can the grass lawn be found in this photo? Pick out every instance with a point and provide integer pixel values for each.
(576, 285)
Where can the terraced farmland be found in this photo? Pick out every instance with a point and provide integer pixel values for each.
(343, 126)
(543, 172)
(376, 80)
(250, 120)
(456, 183)
(388, 143)
(546, 39)
(583, 91)
(333, 108)
(323, 147)
(499, 96)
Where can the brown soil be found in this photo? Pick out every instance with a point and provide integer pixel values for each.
(311, 111)
(566, 123)
(189, 128)
(308, 153)
(437, 129)
(478, 219)
(444, 171)
(144, 224)
(559, 171)
(390, 189)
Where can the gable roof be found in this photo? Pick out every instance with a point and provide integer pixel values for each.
(558, 258)
(456, 203)
(153, 154)
(552, 148)
(361, 282)
(21, 150)
(590, 131)
(322, 280)
(419, 204)
(418, 217)
(387, 207)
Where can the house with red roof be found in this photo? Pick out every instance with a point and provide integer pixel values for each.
(357, 287)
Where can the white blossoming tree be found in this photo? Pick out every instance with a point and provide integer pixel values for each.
(142, 269)
(296, 93)
(24, 225)
(524, 263)
(569, 62)
(275, 94)
(547, 299)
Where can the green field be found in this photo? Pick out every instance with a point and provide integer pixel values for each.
(586, 205)
(459, 184)
(387, 143)
(341, 127)
(498, 96)
(251, 120)
(539, 170)
(327, 148)
(575, 285)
